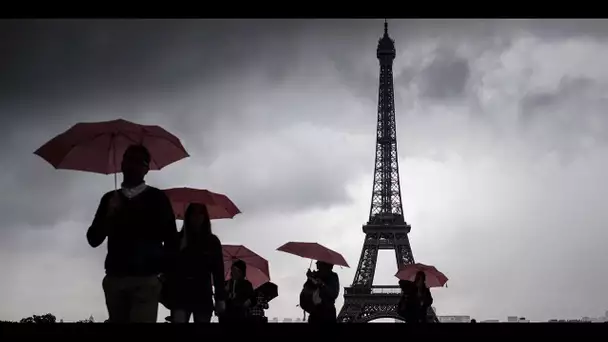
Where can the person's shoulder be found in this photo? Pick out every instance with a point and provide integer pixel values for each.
(107, 195)
(156, 193)
(151, 190)
(214, 239)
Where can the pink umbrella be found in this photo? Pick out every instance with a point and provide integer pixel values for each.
(434, 278)
(218, 205)
(314, 251)
(98, 146)
(257, 267)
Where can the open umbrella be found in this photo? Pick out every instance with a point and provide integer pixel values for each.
(314, 251)
(434, 278)
(257, 267)
(218, 205)
(98, 146)
(269, 290)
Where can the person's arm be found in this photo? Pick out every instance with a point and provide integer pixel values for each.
(98, 231)
(401, 306)
(428, 299)
(248, 295)
(170, 235)
(263, 303)
(217, 269)
(330, 290)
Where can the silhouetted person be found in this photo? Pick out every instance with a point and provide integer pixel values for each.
(240, 295)
(257, 311)
(326, 287)
(139, 223)
(473, 320)
(404, 308)
(416, 299)
(199, 259)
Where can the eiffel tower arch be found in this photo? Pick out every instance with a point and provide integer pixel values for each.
(386, 227)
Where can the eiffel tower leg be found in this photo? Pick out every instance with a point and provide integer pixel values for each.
(349, 313)
(364, 275)
(403, 250)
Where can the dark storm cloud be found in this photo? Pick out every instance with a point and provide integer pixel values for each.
(534, 105)
(568, 120)
(126, 62)
(189, 76)
(445, 77)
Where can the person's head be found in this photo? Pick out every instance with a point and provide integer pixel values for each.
(196, 219)
(405, 285)
(420, 279)
(473, 320)
(238, 270)
(324, 267)
(135, 163)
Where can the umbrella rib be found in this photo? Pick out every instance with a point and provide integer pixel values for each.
(74, 145)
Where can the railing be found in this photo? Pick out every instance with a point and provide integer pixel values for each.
(389, 289)
(378, 289)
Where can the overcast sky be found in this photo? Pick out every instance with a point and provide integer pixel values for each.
(502, 146)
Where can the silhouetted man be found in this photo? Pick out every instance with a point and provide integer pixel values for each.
(327, 285)
(139, 223)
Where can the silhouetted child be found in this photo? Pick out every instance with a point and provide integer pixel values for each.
(257, 311)
(240, 295)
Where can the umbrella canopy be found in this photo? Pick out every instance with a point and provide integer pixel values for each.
(314, 251)
(98, 146)
(269, 290)
(257, 267)
(218, 205)
(434, 278)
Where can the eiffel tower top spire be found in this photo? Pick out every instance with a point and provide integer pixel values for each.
(386, 193)
(386, 47)
(385, 27)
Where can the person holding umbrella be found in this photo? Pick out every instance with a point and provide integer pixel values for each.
(257, 311)
(240, 295)
(326, 285)
(322, 287)
(264, 294)
(139, 223)
(404, 307)
(199, 260)
(416, 299)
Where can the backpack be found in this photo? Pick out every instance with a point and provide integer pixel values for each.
(306, 302)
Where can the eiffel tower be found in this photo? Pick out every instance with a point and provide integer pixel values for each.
(386, 228)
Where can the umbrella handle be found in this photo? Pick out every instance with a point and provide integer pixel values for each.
(114, 157)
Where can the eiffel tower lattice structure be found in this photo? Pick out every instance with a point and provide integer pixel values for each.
(386, 228)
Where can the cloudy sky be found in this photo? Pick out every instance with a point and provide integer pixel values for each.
(502, 146)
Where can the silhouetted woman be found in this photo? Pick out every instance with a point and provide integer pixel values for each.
(240, 295)
(416, 299)
(199, 259)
